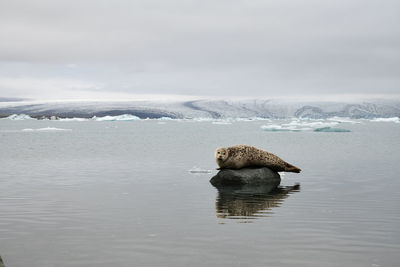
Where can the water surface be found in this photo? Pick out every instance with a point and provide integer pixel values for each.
(121, 194)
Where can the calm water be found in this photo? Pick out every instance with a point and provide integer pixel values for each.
(121, 194)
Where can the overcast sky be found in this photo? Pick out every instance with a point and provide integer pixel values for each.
(52, 49)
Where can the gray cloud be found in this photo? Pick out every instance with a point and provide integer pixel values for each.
(248, 48)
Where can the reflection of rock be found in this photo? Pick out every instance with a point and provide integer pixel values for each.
(246, 176)
(250, 201)
(1, 262)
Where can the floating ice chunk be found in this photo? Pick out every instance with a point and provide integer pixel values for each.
(312, 124)
(343, 120)
(73, 119)
(245, 119)
(203, 119)
(394, 119)
(288, 127)
(331, 130)
(19, 117)
(198, 170)
(47, 129)
(253, 119)
(165, 119)
(52, 129)
(277, 128)
(222, 122)
(124, 117)
(297, 125)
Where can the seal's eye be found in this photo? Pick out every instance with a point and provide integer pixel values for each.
(218, 152)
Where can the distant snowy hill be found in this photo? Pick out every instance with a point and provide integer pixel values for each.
(206, 108)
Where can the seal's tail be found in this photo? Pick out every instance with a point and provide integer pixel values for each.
(291, 168)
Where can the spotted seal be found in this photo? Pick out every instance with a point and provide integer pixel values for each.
(240, 156)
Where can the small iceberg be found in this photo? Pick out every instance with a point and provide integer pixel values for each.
(201, 119)
(199, 170)
(277, 128)
(19, 117)
(331, 130)
(394, 119)
(222, 122)
(297, 125)
(73, 119)
(284, 128)
(252, 119)
(47, 129)
(165, 119)
(124, 117)
(311, 124)
(343, 120)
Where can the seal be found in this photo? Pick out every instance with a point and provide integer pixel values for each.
(240, 156)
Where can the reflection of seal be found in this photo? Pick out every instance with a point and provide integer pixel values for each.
(249, 202)
(240, 156)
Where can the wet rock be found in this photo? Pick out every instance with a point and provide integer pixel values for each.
(246, 176)
(1, 262)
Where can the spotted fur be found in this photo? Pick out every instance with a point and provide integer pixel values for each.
(240, 156)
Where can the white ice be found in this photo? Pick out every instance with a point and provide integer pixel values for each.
(299, 125)
(394, 119)
(19, 117)
(124, 117)
(73, 119)
(198, 170)
(47, 129)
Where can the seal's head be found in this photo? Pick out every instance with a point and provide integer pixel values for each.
(221, 154)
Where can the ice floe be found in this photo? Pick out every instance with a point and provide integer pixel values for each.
(394, 119)
(201, 119)
(252, 119)
(165, 119)
(124, 117)
(297, 125)
(198, 170)
(331, 130)
(282, 128)
(73, 119)
(343, 120)
(47, 129)
(222, 122)
(19, 117)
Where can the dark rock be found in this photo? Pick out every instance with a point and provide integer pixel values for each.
(246, 176)
(1, 262)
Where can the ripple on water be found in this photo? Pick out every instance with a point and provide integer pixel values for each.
(249, 202)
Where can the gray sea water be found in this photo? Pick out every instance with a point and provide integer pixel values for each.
(121, 194)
